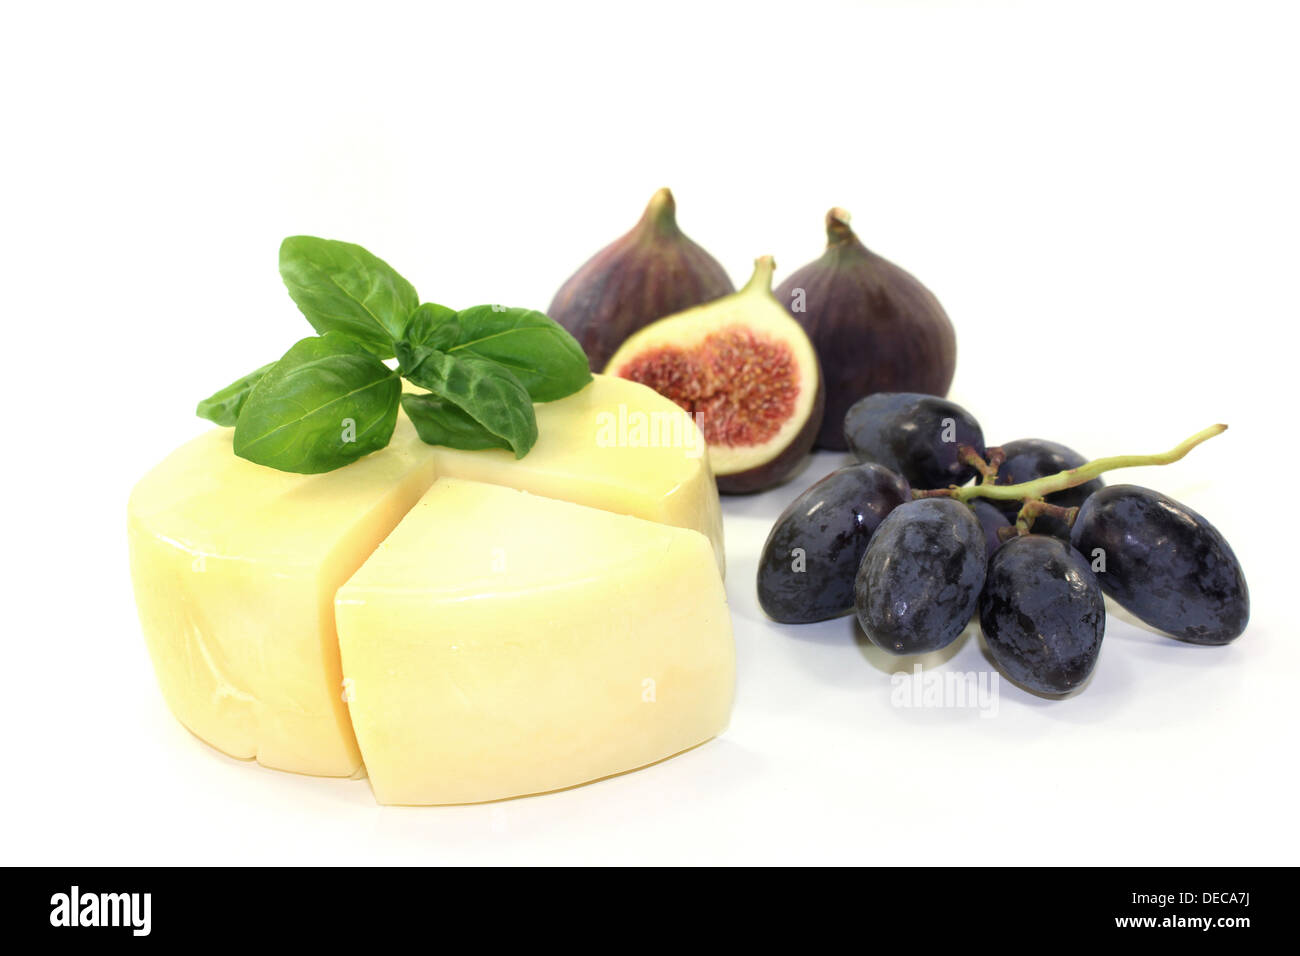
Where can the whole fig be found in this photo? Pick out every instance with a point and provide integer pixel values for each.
(875, 327)
(651, 272)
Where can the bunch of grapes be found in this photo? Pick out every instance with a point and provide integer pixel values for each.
(933, 527)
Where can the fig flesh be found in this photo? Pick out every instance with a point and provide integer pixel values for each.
(746, 371)
(652, 271)
(875, 327)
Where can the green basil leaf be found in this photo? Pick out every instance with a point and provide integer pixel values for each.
(439, 422)
(223, 407)
(485, 391)
(340, 287)
(542, 355)
(325, 404)
(432, 326)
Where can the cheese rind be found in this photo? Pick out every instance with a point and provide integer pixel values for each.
(500, 644)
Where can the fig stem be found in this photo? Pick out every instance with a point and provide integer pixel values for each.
(837, 227)
(1049, 484)
(661, 213)
(761, 280)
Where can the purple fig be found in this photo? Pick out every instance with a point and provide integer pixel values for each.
(876, 328)
(651, 272)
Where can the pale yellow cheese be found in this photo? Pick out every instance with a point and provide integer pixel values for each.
(616, 445)
(236, 565)
(235, 568)
(499, 644)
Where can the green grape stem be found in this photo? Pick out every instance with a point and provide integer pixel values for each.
(1049, 484)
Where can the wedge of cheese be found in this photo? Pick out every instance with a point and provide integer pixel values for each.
(236, 565)
(235, 568)
(500, 644)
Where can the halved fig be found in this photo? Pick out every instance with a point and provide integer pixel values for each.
(747, 372)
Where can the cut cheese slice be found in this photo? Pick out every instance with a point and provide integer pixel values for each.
(500, 644)
(236, 565)
(235, 568)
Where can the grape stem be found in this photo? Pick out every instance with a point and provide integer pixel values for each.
(967, 455)
(996, 459)
(1049, 484)
(1036, 507)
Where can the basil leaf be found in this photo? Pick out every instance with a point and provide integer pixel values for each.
(340, 287)
(325, 404)
(433, 326)
(542, 355)
(439, 422)
(223, 407)
(486, 392)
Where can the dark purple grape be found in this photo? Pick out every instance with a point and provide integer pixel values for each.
(812, 554)
(992, 521)
(915, 435)
(1042, 614)
(920, 579)
(1164, 563)
(1030, 458)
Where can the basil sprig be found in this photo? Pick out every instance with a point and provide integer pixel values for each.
(341, 287)
(487, 394)
(223, 407)
(332, 399)
(440, 422)
(326, 403)
(546, 359)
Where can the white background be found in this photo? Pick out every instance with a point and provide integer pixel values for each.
(1102, 195)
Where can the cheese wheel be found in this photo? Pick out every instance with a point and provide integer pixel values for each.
(236, 565)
